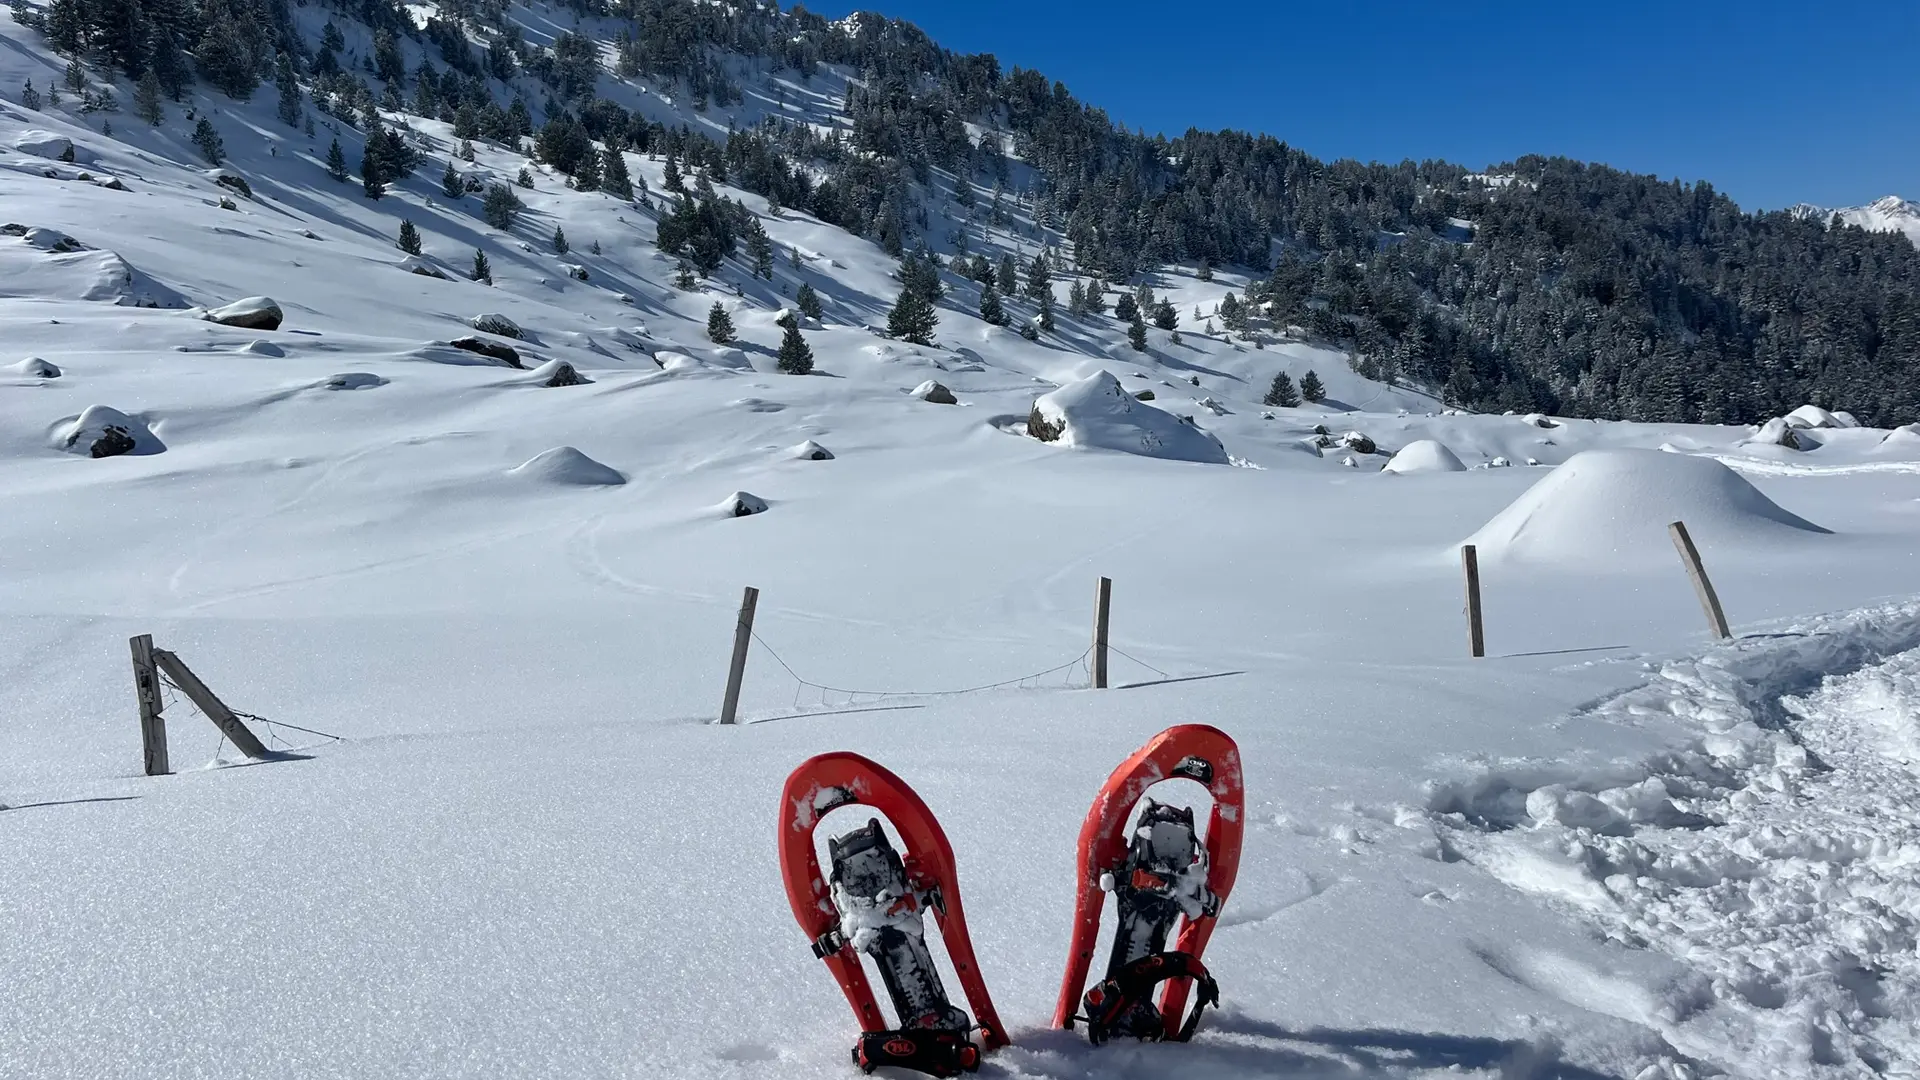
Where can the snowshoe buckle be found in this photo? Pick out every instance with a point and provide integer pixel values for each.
(1123, 1005)
(934, 1052)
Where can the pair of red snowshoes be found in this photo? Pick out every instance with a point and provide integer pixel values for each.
(872, 903)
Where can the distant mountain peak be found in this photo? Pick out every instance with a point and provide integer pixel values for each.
(1889, 214)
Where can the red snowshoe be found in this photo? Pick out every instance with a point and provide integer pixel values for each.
(873, 904)
(1160, 873)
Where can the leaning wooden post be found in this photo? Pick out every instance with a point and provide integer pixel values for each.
(216, 710)
(1476, 631)
(153, 724)
(742, 640)
(1702, 587)
(1102, 606)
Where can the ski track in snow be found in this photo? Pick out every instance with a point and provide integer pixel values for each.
(1778, 855)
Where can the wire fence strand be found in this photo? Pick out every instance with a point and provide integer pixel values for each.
(852, 695)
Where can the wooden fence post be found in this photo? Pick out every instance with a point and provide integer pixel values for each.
(742, 640)
(1102, 608)
(216, 710)
(153, 725)
(1702, 587)
(1476, 631)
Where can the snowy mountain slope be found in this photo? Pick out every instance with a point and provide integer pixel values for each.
(532, 854)
(1891, 214)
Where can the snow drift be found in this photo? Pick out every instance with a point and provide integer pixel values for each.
(1606, 506)
(1098, 413)
(1425, 456)
(566, 466)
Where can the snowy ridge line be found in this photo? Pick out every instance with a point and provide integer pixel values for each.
(1771, 857)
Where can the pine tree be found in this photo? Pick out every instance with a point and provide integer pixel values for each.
(1127, 309)
(719, 324)
(683, 277)
(208, 141)
(289, 108)
(1096, 303)
(670, 177)
(559, 240)
(1311, 388)
(759, 249)
(500, 207)
(796, 357)
(1076, 299)
(1009, 275)
(466, 151)
(482, 268)
(409, 237)
(451, 185)
(1282, 393)
(614, 178)
(1137, 332)
(1164, 316)
(912, 318)
(808, 301)
(525, 179)
(226, 59)
(1205, 273)
(75, 78)
(1039, 277)
(336, 163)
(990, 307)
(1046, 311)
(30, 97)
(167, 62)
(372, 184)
(146, 99)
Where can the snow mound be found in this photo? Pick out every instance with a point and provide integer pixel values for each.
(1781, 431)
(565, 465)
(1425, 456)
(495, 323)
(811, 451)
(34, 368)
(742, 504)
(352, 380)
(556, 373)
(50, 265)
(103, 431)
(257, 347)
(425, 266)
(1098, 413)
(1813, 416)
(1603, 505)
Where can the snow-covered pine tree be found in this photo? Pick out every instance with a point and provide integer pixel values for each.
(990, 307)
(1282, 393)
(615, 180)
(759, 248)
(807, 301)
(1126, 309)
(1137, 332)
(482, 267)
(208, 141)
(1039, 277)
(1009, 276)
(1311, 388)
(719, 324)
(796, 356)
(560, 240)
(1164, 316)
(451, 185)
(30, 97)
(409, 237)
(336, 163)
(500, 207)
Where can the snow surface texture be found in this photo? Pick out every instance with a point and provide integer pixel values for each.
(517, 605)
(1606, 507)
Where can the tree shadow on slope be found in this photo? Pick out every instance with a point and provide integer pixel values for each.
(1232, 1046)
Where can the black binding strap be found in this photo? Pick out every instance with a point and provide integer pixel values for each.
(1124, 1004)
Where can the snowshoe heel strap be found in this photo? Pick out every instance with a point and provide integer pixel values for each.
(1110, 1003)
(934, 1052)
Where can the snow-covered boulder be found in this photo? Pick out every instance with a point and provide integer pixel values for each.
(934, 393)
(251, 313)
(35, 142)
(492, 350)
(811, 451)
(102, 431)
(496, 324)
(1603, 507)
(34, 368)
(1097, 413)
(1539, 420)
(558, 373)
(425, 266)
(1781, 432)
(52, 241)
(352, 380)
(1425, 456)
(742, 504)
(1359, 443)
(1813, 416)
(565, 466)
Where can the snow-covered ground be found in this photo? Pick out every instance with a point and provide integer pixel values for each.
(1610, 849)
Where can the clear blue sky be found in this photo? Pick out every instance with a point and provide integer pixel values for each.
(1773, 103)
